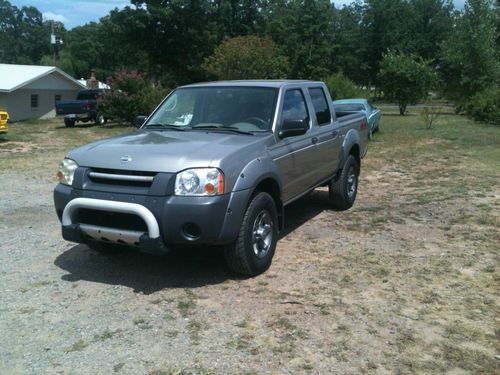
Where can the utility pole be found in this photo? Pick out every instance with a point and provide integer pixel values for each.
(54, 41)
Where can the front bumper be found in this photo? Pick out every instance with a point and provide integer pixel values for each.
(168, 220)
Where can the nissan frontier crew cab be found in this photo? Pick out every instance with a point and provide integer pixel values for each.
(214, 164)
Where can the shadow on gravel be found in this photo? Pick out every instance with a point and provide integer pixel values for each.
(183, 268)
(303, 210)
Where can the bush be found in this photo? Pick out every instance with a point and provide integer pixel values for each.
(131, 95)
(341, 87)
(485, 105)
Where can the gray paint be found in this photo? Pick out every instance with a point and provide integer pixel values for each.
(296, 163)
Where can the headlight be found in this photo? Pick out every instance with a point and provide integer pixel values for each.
(199, 181)
(66, 172)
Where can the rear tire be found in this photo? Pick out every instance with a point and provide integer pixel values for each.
(69, 123)
(100, 119)
(107, 248)
(253, 251)
(343, 188)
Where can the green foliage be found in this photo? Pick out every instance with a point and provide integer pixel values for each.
(406, 79)
(485, 105)
(304, 31)
(24, 37)
(246, 57)
(343, 88)
(471, 59)
(131, 95)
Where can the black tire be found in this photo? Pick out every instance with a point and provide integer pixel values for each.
(253, 252)
(107, 248)
(343, 188)
(370, 134)
(69, 123)
(100, 119)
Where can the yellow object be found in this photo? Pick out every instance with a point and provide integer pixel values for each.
(4, 120)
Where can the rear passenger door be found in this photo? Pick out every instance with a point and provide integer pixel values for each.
(326, 131)
(295, 156)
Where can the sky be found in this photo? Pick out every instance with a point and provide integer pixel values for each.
(79, 12)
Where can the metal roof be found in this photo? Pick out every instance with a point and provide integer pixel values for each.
(13, 77)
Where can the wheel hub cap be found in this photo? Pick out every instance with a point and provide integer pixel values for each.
(262, 234)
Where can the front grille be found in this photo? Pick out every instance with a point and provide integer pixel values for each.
(121, 177)
(110, 219)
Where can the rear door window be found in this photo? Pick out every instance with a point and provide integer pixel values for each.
(294, 106)
(320, 105)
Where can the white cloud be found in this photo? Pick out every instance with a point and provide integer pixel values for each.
(54, 17)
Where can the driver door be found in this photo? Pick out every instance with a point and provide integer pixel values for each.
(295, 156)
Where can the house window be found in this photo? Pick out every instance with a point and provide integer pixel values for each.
(57, 97)
(34, 101)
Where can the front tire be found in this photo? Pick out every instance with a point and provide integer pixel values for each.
(253, 251)
(344, 188)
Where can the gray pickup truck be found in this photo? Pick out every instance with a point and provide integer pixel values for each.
(214, 164)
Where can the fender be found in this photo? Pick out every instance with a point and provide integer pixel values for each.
(351, 139)
(252, 174)
(256, 171)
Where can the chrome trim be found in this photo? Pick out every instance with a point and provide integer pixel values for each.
(113, 206)
(121, 177)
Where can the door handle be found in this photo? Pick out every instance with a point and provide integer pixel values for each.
(314, 140)
(335, 133)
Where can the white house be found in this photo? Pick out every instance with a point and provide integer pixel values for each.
(30, 91)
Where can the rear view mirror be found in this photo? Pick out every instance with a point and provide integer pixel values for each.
(291, 128)
(139, 120)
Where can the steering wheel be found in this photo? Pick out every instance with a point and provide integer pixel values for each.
(257, 121)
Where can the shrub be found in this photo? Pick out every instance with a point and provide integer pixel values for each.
(485, 105)
(131, 95)
(341, 87)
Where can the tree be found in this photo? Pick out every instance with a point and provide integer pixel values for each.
(303, 29)
(24, 37)
(352, 43)
(246, 57)
(471, 60)
(430, 24)
(385, 27)
(405, 79)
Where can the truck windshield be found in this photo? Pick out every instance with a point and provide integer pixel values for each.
(246, 109)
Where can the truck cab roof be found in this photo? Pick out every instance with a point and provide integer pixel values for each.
(273, 83)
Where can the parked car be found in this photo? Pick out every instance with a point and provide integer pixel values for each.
(4, 122)
(85, 108)
(214, 164)
(348, 106)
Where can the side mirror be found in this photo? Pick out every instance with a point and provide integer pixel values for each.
(292, 128)
(139, 120)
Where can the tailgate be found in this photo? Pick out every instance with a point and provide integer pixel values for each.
(71, 106)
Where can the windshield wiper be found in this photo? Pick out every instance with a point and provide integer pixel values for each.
(165, 126)
(220, 128)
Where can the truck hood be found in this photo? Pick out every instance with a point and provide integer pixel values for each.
(164, 151)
